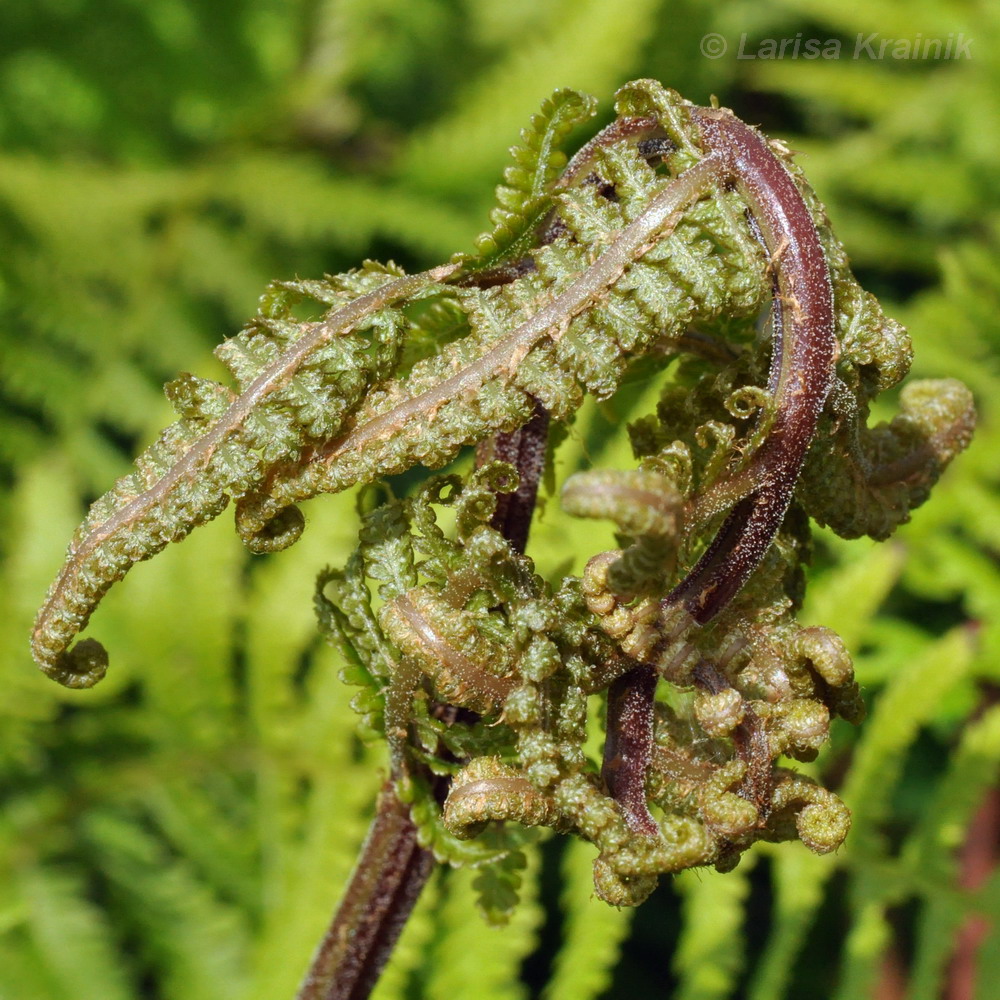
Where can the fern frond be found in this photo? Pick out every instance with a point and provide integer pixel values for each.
(456, 956)
(524, 196)
(711, 952)
(908, 702)
(586, 51)
(198, 942)
(298, 389)
(593, 933)
(221, 446)
(72, 936)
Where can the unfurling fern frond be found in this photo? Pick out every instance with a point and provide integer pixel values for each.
(298, 382)
(526, 194)
(677, 230)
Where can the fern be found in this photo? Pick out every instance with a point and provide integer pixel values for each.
(593, 933)
(69, 934)
(709, 956)
(116, 275)
(322, 405)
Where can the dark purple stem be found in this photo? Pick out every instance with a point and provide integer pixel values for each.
(802, 364)
(386, 883)
(393, 868)
(628, 747)
(525, 449)
(803, 354)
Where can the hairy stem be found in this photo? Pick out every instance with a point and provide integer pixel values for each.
(802, 359)
(628, 748)
(386, 883)
(525, 449)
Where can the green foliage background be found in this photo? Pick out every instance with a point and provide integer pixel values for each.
(184, 830)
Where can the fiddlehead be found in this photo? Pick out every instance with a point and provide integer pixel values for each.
(672, 233)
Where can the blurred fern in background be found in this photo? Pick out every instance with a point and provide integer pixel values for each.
(184, 830)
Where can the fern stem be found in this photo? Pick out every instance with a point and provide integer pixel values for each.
(628, 748)
(386, 883)
(802, 363)
(525, 449)
(802, 359)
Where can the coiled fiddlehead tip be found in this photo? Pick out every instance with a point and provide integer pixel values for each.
(823, 826)
(617, 889)
(487, 790)
(281, 531)
(637, 500)
(80, 667)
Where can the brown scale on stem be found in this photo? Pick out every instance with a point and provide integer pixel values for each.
(628, 747)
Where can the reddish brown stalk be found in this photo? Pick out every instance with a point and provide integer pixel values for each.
(389, 876)
(525, 449)
(803, 354)
(628, 746)
(802, 360)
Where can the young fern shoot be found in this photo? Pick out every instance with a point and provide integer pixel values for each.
(670, 238)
